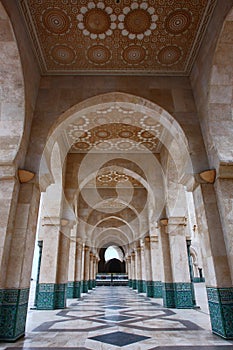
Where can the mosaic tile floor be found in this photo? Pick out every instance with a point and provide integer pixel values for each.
(109, 318)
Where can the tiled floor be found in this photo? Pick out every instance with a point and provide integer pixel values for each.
(110, 318)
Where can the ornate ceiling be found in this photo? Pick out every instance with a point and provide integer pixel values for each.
(116, 137)
(116, 36)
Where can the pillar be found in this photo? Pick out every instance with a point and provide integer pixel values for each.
(71, 270)
(95, 262)
(179, 262)
(143, 266)
(166, 275)
(139, 270)
(40, 245)
(191, 273)
(51, 293)
(215, 260)
(78, 270)
(156, 266)
(147, 253)
(133, 270)
(90, 283)
(86, 275)
(17, 242)
(129, 272)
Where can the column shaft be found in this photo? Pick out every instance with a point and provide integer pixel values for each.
(215, 261)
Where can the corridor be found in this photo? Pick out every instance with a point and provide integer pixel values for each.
(117, 317)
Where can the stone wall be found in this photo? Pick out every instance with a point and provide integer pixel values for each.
(57, 94)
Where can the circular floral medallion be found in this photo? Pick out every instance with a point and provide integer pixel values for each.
(148, 145)
(137, 20)
(96, 20)
(122, 145)
(178, 22)
(103, 145)
(98, 54)
(82, 146)
(169, 55)
(103, 134)
(126, 134)
(145, 135)
(134, 54)
(56, 21)
(63, 54)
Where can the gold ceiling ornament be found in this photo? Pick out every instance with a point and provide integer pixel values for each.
(138, 37)
(137, 20)
(96, 20)
(114, 136)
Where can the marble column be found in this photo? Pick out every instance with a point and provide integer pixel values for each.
(215, 260)
(139, 270)
(90, 283)
(16, 255)
(191, 272)
(86, 276)
(143, 266)
(95, 261)
(51, 293)
(40, 245)
(147, 253)
(9, 190)
(129, 272)
(133, 269)
(71, 270)
(156, 266)
(166, 275)
(78, 270)
(179, 262)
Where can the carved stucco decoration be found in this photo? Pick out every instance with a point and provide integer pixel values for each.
(71, 36)
(115, 136)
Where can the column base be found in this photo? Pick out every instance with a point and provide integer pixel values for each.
(177, 295)
(157, 289)
(70, 290)
(90, 285)
(134, 284)
(77, 289)
(85, 285)
(143, 286)
(130, 283)
(13, 313)
(51, 296)
(168, 295)
(149, 289)
(221, 311)
(140, 286)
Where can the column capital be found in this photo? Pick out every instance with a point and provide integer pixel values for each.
(51, 221)
(147, 239)
(8, 172)
(177, 220)
(154, 238)
(164, 222)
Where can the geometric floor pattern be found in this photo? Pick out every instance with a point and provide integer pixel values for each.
(109, 318)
